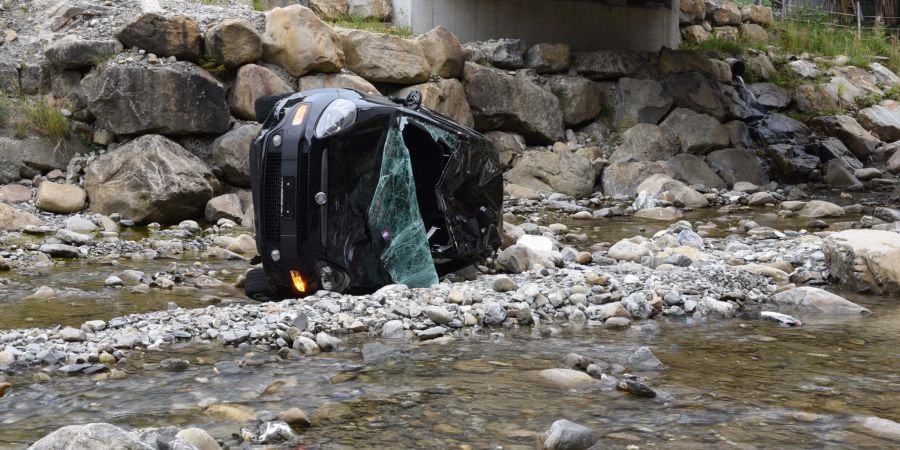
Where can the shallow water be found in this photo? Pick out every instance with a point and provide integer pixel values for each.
(738, 383)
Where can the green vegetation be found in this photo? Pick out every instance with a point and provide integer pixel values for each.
(893, 93)
(212, 66)
(258, 5)
(42, 118)
(372, 24)
(729, 47)
(4, 109)
(868, 99)
(830, 40)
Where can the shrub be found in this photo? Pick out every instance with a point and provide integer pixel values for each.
(44, 119)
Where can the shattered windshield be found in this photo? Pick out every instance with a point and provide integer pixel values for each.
(394, 216)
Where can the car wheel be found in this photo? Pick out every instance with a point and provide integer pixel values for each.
(264, 105)
(256, 286)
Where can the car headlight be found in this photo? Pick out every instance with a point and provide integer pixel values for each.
(337, 117)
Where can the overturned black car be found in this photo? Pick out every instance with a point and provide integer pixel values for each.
(353, 192)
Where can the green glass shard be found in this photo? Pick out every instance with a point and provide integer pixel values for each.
(394, 216)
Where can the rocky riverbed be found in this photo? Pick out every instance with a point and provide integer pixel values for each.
(639, 282)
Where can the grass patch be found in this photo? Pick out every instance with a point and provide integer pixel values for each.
(43, 119)
(893, 93)
(830, 41)
(372, 24)
(258, 5)
(866, 100)
(731, 47)
(4, 109)
(212, 66)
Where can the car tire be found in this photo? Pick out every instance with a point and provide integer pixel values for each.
(256, 286)
(263, 106)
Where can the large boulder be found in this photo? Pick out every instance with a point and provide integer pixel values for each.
(884, 75)
(383, 58)
(612, 64)
(664, 187)
(849, 131)
(150, 179)
(93, 436)
(381, 10)
(781, 129)
(678, 61)
(345, 79)
(814, 300)
(300, 42)
(172, 99)
(330, 9)
(565, 435)
(858, 77)
(751, 32)
(820, 208)
(563, 172)
(883, 120)
(60, 198)
(226, 206)
(723, 12)
(699, 133)
(694, 34)
(693, 91)
(177, 36)
(548, 58)
(501, 53)
(233, 42)
(692, 170)
(865, 260)
(646, 142)
(251, 83)
(72, 52)
(500, 101)
(792, 161)
(770, 95)
(12, 219)
(640, 101)
(692, 11)
(738, 164)
(758, 14)
(231, 154)
(579, 98)
(443, 52)
(831, 148)
(509, 145)
(27, 157)
(814, 99)
(622, 179)
(760, 64)
(447, 97)
(893, 163)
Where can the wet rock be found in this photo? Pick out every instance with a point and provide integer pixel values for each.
(177, 36)
(393, 329)
(60, 250)
(567, 377)
(300, 42)
(565, 435)
(640, 101)
(185, 100)
(150, 179)
(174, 364)
(711, 307)
(94, 436)
(865, 260)
(849, 131)
(792, 161)
(331, 413)
(882, 120)
(502, 101)
(502, 53)
(820, 208)
(644, 359)
(253, 82)
(305, 345)
(636, 387)
(879, 427)
(815, 300)
(382, 58)
(296, 418)
(72, 52)
(4, 387)
(770, 96)
(778, 128)
(233, 42)
(198, 438)
(548, 58)
(327, 342)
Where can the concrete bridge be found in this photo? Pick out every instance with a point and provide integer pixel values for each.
(583, 24)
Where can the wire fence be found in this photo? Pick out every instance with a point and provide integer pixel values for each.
(859, 15)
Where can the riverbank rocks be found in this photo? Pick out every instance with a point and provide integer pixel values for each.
(565, 435)
(735, 165)
(579, 98)
(548, 58)
(692, 170)
(646, 142)
(173, 99)
(857, 139)
(382, 58)
(300, 42)
(819, 208)
(27, 157)
(502, 101)
(72, 52)
(506, 54)
(150, 179)
(865, 260)
(666, 188)
(567, 377)
(14, 193)
(770, 95)
(60, 198)
(883, 120)
(251, 83)
(177, 36)
(93, 436)
(230, 154)
(815, 300)
(12, 219)
(621, 179)
(611, 64)
(443, 51)
(699, 133)
(345, 79)
(563, 172)
(447, 97)
(640, 101)
(232, 43)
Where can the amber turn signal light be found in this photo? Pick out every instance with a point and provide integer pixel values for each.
(300, 114)
(299, 284)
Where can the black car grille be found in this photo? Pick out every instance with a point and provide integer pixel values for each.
(303, 197)
(272, 197)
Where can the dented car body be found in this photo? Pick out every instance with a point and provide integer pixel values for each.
(353, 192)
